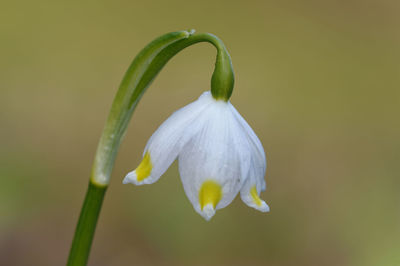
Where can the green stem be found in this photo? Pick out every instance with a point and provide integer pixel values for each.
(144, 68)
(84, 232)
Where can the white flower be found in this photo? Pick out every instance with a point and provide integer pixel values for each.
(219, 155)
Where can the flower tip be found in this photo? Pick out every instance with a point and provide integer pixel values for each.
(264, 207)
(130, 178)
(208, 212)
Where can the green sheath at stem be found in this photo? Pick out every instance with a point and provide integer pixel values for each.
(144, 68)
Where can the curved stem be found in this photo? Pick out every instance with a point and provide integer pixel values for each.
(139, 76)
(144, 68)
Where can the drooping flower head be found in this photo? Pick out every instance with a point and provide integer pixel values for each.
(219, 156)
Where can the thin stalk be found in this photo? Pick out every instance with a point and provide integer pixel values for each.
(85, 229)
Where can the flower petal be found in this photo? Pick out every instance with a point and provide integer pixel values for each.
(166, 142)
(217, 154)
(255, 182)
(257, 150)
(250, 192)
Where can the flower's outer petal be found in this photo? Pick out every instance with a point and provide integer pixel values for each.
(250, 192)
(258, 154)
(166, 142)
(255, 182)
(215, 162)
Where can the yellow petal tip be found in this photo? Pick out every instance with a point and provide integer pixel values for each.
(210, 193)
(255, 197)
(144, 169)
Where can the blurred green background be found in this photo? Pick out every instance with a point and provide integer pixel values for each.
(317, 80)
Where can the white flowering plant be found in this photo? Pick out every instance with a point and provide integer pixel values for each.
(219, 154)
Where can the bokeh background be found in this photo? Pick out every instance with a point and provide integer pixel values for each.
(317, 80)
